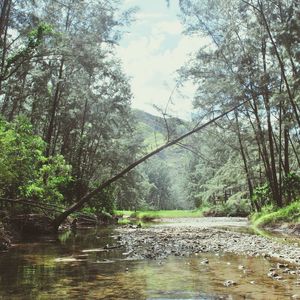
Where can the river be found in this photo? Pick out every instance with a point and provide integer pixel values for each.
(86, 265)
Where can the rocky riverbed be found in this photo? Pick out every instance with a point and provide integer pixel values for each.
(184, 237)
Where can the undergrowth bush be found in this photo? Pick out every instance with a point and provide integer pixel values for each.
(290, 213)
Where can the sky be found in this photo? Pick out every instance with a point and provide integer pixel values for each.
(151, 51)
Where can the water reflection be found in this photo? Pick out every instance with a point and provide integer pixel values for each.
(79, 266)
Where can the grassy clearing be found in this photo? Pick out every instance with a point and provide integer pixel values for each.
(290, 214)
(150, 215)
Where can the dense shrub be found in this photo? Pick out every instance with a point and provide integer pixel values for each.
(25, 173)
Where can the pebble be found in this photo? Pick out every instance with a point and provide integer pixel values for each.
(228, 283)
(272, 269)
(163, 241)
(281, 266)
(273, 274)
(286, 270)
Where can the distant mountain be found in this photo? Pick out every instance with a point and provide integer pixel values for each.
(155, 129)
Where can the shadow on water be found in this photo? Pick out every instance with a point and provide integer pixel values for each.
(88, 264)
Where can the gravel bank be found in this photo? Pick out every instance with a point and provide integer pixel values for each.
(183, 237)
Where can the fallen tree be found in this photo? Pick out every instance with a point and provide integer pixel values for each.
(79, 204)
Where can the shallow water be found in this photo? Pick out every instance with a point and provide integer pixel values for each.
(76, 266)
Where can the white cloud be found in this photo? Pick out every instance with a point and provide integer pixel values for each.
(128, 2)
(142, 16)
(171, 27)
(152, 66)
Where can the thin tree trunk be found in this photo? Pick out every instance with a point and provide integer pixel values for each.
(250, 187)
(274, 180)
(261, 141)
(281, 64)
(295, 151)
(53, 110)
(5, 12)
(57, 92)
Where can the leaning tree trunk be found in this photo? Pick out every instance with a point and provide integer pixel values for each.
(78, 205)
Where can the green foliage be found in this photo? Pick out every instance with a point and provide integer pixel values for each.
(264, 210)
(103, 202)
(50, 178)
(36, 36)
(242, 150)
(35, 39)
(239, 208)
(267, 216)
(291, 185)
(231, 208)
(21, 153)
(262, 195)
(24, 171)
(215, 174)
(124, 222)
(290, 188)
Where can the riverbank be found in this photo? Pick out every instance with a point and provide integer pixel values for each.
(270, 215)
(284, 220)
(184, 237)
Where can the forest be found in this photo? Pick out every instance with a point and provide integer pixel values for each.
(100, 199)
(67, 125)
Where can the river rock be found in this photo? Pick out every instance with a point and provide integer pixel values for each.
(273, 274)
(229, 283)
(281, 266)
(179, 239)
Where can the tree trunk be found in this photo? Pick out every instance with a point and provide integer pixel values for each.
(53, 109)
(250, 187)
(274, 182)
(4, 17)
(281, 65)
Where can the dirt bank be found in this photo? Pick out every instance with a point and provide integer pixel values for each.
(183, 237)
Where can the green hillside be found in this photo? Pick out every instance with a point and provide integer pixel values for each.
(154, 130)
(154, 133)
